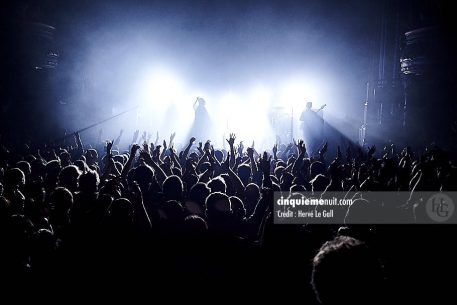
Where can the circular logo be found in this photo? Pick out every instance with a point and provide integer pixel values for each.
(440, 207)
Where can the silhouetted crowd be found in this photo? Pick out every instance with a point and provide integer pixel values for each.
(200, 220)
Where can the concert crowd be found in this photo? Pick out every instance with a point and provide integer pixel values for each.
(152, 219)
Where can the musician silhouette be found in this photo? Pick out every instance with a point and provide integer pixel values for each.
(312, 127)
(202, 126)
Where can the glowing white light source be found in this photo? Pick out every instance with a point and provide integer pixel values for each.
(164, 103)
(245, 114)
(297, 93)
(162, 87)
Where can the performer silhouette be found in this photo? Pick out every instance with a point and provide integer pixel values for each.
(201, 128)
(312, 127)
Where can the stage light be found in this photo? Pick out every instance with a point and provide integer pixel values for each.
(296, 94)
(260, 97)
(245, 113)
(161, 88)
(165, 103)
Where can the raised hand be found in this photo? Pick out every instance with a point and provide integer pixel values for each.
(164, 145)
(240, 148)
(207, 146)
(172, 150)
(109, 146)
(301, 147)
(145, 147)
(172, 137)
(231, 139)
(134, 149)
(191, 141)
(371, 150)
(146, 157)
(157, 149)
(264, 163)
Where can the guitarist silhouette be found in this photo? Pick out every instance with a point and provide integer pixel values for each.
(312, 126)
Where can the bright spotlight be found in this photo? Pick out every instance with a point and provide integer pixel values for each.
(160, 88)
(297, 93)
(260, 97)
(246, 114)
(162, 98)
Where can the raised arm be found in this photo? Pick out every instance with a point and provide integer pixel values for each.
(174, 157)
(237, 183)
(186, 151)
(141, 216)
(231, 142)
(172, 138)
(275, 152)
(162, 155)
(109, 162)
(161, 176)
(79, 144)
(205, 154)
(129, 162)
(298, 163)
(264, 166)
(252, 162)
